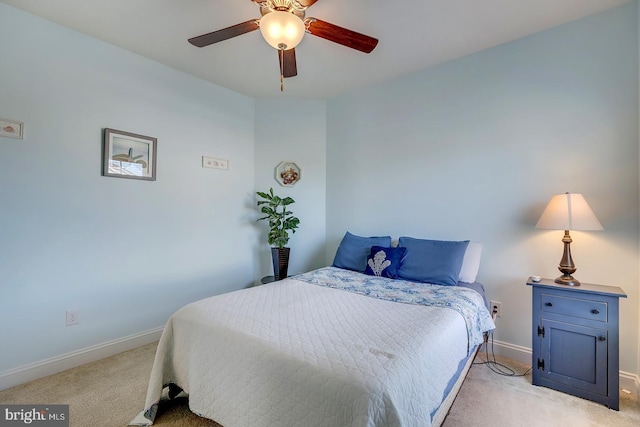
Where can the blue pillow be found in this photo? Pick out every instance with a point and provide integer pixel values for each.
(353, 251)
(385, 262)
(432, 261)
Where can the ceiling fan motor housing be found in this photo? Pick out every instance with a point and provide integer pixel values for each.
(291, 6)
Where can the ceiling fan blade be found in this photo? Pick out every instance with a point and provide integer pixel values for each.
(341, 35)
(287, 61)
(225, 33)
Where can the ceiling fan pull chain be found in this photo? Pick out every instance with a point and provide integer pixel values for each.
(281, 56)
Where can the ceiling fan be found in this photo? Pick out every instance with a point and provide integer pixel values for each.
(283, 24)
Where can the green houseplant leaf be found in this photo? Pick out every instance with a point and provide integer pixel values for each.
(281, 220)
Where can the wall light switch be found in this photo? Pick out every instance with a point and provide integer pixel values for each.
(212, 162)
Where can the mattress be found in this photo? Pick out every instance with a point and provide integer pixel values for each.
(327, 348)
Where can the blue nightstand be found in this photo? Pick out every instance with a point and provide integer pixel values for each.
(575, 340)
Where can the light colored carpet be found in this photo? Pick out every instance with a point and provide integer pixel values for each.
(111, 392)
(491, 400)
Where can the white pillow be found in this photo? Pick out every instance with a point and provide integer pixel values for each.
(470, 263)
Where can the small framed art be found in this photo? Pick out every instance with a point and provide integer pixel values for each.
(288, 173)
(11, 129)
(129, 155)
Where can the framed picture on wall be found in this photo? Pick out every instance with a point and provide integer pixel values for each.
(11, 129)
(128, 155)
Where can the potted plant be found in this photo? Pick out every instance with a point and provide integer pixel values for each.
(281, 221)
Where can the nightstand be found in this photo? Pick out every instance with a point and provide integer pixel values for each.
(575, 339)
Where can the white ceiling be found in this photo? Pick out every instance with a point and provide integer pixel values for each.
(413, 34)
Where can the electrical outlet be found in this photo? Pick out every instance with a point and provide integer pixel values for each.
(497, 307)
(73, 317)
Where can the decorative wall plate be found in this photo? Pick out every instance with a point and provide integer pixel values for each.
(287, 174)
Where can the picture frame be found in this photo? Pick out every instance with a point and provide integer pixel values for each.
(11, 129)
(129, 155)
(288, 173)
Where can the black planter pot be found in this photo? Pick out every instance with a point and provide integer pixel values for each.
(280, 259)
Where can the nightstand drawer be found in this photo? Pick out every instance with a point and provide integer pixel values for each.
(575, 307)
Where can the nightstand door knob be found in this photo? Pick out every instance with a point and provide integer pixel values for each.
(594, 311)
(602, 338)
(548, 304)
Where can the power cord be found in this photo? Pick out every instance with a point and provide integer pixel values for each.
(494, 365)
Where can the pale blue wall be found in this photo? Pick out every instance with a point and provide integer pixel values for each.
(294, 130)
(475, 148)
(125, 253)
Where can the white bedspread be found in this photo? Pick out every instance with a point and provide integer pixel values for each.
(291, 353)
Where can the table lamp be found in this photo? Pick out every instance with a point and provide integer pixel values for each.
(568, 212)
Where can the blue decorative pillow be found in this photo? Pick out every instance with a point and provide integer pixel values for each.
(353, 251)
(385, 262)
(432, 261)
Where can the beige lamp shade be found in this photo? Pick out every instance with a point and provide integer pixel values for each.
(568, 212)
(282, 30)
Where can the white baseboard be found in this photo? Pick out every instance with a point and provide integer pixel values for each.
(510, 351)
(53, 365)
(628, 381)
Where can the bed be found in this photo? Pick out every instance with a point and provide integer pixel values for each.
(331, 347)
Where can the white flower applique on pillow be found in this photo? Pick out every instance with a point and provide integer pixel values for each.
(379, 263)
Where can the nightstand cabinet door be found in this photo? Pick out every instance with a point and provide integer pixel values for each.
(575, 340)
(574, 355)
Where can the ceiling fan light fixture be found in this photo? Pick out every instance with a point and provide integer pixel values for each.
(282, 30)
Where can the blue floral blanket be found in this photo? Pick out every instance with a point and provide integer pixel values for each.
(467, 302)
